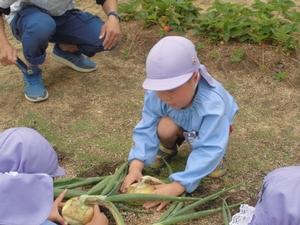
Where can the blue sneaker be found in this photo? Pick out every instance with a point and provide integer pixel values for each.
(34, 88)
(76, 61)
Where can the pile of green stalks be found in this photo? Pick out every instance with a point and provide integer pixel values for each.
(104, 191)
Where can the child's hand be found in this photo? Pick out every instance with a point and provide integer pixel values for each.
(134, 174)
(172, 189)
(99, 218)
(54, 214)
(132, 177)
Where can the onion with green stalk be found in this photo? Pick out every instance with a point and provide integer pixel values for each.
(145, 186)
(108, 201)
(75, 212)
(108, 196)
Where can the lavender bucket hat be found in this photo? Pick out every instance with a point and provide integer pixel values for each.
(27, 162)
(279, 202)
(24, 150)
(171, 62)
(25, 199)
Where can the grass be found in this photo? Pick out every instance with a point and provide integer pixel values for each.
(35, 120)
(90, 117)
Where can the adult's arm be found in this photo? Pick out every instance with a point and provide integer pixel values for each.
(111, 30)
(8, 54)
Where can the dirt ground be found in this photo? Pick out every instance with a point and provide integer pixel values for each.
(89, 117)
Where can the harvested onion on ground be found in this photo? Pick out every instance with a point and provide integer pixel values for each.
(77, 213)
(144, 186)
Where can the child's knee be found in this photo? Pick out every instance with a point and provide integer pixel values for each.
(167, 128)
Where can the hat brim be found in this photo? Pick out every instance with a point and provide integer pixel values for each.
(59, 172)
(166, 84)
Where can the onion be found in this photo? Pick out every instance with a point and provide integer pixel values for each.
(77, 213)
(145, 186)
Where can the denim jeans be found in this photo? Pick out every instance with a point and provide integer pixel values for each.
(35, 28)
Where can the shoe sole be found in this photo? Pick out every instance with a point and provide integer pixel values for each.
(40, 99)
(71, 65)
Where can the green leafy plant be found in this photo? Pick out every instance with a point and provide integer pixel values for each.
(178, 15)
(275, 22)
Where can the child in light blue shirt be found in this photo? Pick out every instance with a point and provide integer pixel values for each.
(182, 102)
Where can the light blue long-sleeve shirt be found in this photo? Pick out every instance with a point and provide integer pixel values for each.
(210, 116)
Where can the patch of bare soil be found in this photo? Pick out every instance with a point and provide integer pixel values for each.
(90, 117)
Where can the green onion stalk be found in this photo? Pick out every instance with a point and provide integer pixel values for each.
(192, 216)
(204, 200)
(226, 213)
(98, 188)
(69, 194)
(171, 211)
(114, 211)
(148, 197)
(61, 183)
(82, 183)
(115, 182)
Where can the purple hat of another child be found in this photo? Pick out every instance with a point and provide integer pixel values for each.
(279, 202)
(170, 63)
(24, 150)
(25, 199)
(27, 162)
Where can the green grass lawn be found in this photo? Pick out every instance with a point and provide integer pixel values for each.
(90, 117)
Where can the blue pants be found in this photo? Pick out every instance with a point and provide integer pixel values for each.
(35, 28)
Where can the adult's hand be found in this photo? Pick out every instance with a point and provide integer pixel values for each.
(110, 32)
(8, 54)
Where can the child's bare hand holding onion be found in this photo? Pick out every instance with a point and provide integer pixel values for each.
(172, 189)
(54, 214)
(134, 174)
